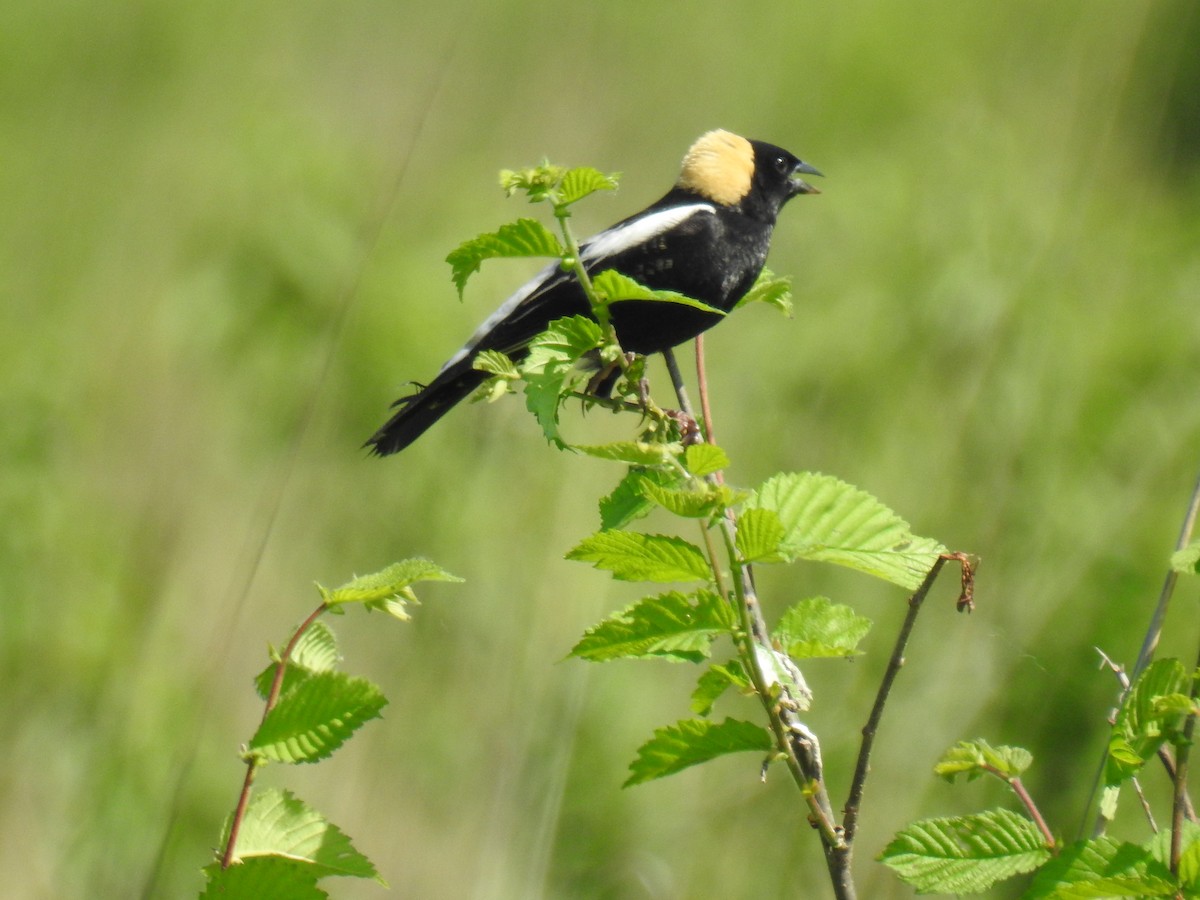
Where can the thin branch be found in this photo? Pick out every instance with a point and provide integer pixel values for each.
(254, 762)
(1036, 814)
(863, 765)
(1164, 597)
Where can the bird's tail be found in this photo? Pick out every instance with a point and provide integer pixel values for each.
(417, 412)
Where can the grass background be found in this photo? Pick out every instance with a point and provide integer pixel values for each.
(221, 255)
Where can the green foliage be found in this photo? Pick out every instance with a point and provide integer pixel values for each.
(550, 368)
(630, 556)
(315, 717)
(978, 757)
(824, 519)
(691, 742)
(965, 854)
(818, 627)
(1102, 867)
(672, 625)
(1152, 713)
(275, 845)
(524, 237)
(1187, 560)
(771, 289)
(279, 824)
(612, 286)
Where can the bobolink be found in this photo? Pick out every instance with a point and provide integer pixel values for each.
(707, 238)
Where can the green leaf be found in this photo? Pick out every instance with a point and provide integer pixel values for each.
(637, 453)
(827, 520)
(1142, 723)
(715, 682)
(774, 290)
(613, 287)
(277, 823)
(628, 501)
(697, 501)
(643, 557)
(389, 589)
(316, 651)
(262, 876)
(704, 459)
(759, 536)
(691, 742)
(316, 717)
(580, 182)
(538, 182)
(1099, 868)
(672, 625)
(818, 628)
(978, 757)
(496, 363)
(524, 237)
(966, 854)
(551, 361)
(1187, 560)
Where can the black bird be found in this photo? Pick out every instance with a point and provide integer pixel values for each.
(706, 238)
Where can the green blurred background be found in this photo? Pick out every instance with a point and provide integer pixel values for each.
(221, 254)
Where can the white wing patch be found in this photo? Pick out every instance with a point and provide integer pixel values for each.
(636, 231)
(609, 242)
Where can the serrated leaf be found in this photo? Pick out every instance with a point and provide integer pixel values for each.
(693, 741)
(551, 361)
(966, 854)
(817, 628)
(636, 453)
(978, 757)
(1141, 726)
(316, 717)
(262, 876)
(496, 363)
(1187, 560)
(628, 502)
(614, 287)
(389, 588)
(579, 182)
(827, 520)
(672, 625)
(631, 556)
(704, 459)
(774, 290)
(1101, 867)
(316, 651)
(715, 682)
(524, 237)
(279, 824)
(759, 536)
(697, 501)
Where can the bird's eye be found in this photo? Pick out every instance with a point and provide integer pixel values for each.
(782, 166)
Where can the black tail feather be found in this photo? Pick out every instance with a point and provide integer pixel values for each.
(417, 412)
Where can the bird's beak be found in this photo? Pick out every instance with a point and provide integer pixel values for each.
(799, 185)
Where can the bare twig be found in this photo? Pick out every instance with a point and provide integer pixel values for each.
(863, 765)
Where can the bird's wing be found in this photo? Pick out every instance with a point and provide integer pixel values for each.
(551, 293)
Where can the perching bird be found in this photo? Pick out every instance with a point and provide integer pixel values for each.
(707, 239)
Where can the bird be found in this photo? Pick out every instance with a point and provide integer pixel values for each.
(706, 238)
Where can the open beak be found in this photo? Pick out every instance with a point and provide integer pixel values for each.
(799, 185)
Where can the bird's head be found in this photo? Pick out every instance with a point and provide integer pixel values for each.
(730, 170)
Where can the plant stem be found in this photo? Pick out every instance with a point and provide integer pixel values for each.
(1180, 806)
(798, 745)
(1019, 789)
(253, 762)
